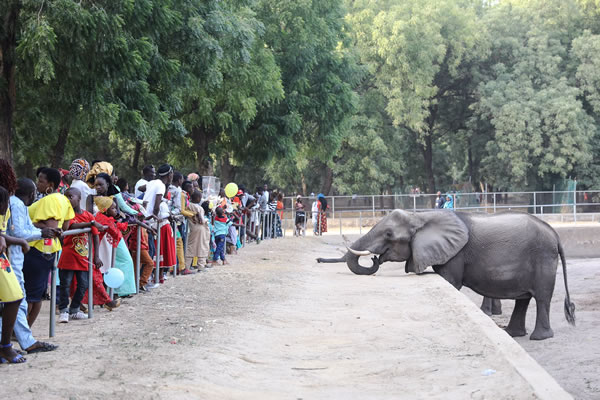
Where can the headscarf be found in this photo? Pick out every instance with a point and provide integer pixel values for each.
(99, 167)
(192, 176)
(79, 169)
(103, 203)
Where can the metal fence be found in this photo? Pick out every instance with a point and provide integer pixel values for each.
(551, 202)
(358, 211)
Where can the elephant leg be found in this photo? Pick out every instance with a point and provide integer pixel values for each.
(486, 306)
(491, 306)
(516, 326)
(452, 271)
(542, 321)
(496, 307)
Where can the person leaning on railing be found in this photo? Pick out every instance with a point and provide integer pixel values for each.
(51, 211)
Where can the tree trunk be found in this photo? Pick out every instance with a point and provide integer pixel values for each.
(135, 163)
(304, 187)
(8, 96)
(58, 151)
(427, 150)
(227, 171)
(328, 182)
(201, 141)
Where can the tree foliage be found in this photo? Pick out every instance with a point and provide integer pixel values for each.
(330, 96)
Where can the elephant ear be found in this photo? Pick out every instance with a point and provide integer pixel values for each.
(439, 236)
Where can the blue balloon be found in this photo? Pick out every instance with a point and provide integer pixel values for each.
(114, 278)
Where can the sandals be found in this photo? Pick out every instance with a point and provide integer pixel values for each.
(18, 359)
(43, 348)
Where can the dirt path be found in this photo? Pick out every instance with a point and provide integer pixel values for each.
(274, 324)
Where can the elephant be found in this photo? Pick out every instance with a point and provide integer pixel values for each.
(508, 255)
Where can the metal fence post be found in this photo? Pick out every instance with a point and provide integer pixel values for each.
(575, 201)
(112, 265)
(91, 276)
(53, 296)
(176, 266)
(341, 220)
(360, 222)
(373, 200)
(138, 249)
(333, 207)
(414, 203)
(534, 203)
(494, 203)
(157, 271)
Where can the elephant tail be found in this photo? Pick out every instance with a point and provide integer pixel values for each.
(569, 307)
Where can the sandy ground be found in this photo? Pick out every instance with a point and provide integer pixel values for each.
(275, 324)
(572, 357)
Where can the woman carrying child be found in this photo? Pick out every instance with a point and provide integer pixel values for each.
(198, 236)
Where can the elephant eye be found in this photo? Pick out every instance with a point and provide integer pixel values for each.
(389, 234)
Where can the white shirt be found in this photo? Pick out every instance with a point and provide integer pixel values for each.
(154, 188)
(85, 191)
(139, 183)
(315, 211)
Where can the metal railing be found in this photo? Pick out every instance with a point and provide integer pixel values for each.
(539, 202)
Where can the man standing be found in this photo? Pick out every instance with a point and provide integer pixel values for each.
(20, 226)
(148, 174)
(440, 200)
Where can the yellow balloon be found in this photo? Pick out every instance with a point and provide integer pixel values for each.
(211, 205)
(231, 190)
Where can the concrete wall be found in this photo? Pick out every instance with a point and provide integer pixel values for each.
(580, 241)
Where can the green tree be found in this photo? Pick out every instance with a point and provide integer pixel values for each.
(536, 126)
(420, 54)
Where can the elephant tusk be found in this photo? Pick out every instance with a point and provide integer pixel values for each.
(359, 253)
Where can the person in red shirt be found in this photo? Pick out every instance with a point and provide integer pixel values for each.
(73, 261)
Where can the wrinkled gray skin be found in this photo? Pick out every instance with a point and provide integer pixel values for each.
(499, 256)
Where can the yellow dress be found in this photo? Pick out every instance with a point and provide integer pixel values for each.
(10, 290)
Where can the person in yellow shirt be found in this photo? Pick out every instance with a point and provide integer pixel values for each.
(52, 211)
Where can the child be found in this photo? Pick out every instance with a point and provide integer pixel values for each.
(146, 262)
(221, 228)
(122, 260)
(199, 235)
(74, 259)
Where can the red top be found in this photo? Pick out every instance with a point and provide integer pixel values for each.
(114, 229)
(75, 247)
(131, 238)
(221, 219)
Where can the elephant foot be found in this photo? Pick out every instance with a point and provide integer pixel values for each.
(541, 334)
(516, 332)
(496, 307)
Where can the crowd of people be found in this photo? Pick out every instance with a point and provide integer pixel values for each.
(184, 230)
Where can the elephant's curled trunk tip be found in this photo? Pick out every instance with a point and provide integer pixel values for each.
(569, 311)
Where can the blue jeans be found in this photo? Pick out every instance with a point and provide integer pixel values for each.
(220, 251)
(66, 277)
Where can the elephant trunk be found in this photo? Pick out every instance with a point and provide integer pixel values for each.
(331, 260)
(353, 264)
